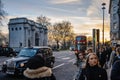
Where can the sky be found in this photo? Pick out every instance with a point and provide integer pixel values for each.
(84, 15)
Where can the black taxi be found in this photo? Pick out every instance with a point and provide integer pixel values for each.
(16, 65)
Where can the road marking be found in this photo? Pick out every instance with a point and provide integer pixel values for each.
(61, 56)
(66, 58)
(72, 60)
(58, 66)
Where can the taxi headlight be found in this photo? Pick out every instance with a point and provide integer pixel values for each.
(22, 64)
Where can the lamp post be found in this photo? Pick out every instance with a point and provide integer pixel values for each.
(103, 8)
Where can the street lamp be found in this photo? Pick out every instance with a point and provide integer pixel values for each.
(103, 8)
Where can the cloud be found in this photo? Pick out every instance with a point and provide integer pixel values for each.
(60, 10)
(82, 23)
(91, 11)
(79, 20)
(95, 9)
(63, 1)
(81, 29)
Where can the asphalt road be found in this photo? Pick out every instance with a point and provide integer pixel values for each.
(64, 68)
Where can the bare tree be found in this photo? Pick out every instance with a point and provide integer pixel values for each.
(2, 16)
(43, 20)
(62, 32)
(2, 12)
(67, 29)
(59, 32)
(56, 33)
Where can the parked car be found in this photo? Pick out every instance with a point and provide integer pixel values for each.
(7, 51)
(16, 65)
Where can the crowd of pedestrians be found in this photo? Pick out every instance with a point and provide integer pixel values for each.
(96, 64)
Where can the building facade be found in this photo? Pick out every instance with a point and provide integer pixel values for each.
(24, 33)
(114, 11)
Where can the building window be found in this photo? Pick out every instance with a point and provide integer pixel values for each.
(114, 16)
(16, 29)
(29, 32)
(12, 29)
(114, 8)
(20, 28)
(115, 26)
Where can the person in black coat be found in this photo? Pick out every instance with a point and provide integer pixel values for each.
(115, 72)
(102, 55)
(92, 70)
(36, 69)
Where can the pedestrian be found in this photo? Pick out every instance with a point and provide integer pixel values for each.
(80, 65)
(112, 57)
(89, 51)
(36, 69)
(102, 55)
(117, 56)
(109, 51)
(115, 72)
(77, 56)
(92, 69)
(81, 59)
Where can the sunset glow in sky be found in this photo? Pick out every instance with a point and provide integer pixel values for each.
(83, 14)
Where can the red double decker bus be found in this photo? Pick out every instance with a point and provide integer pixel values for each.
(80, 44)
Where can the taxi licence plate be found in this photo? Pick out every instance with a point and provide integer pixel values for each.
(10, 72)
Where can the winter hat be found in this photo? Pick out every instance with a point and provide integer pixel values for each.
(35, 62)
